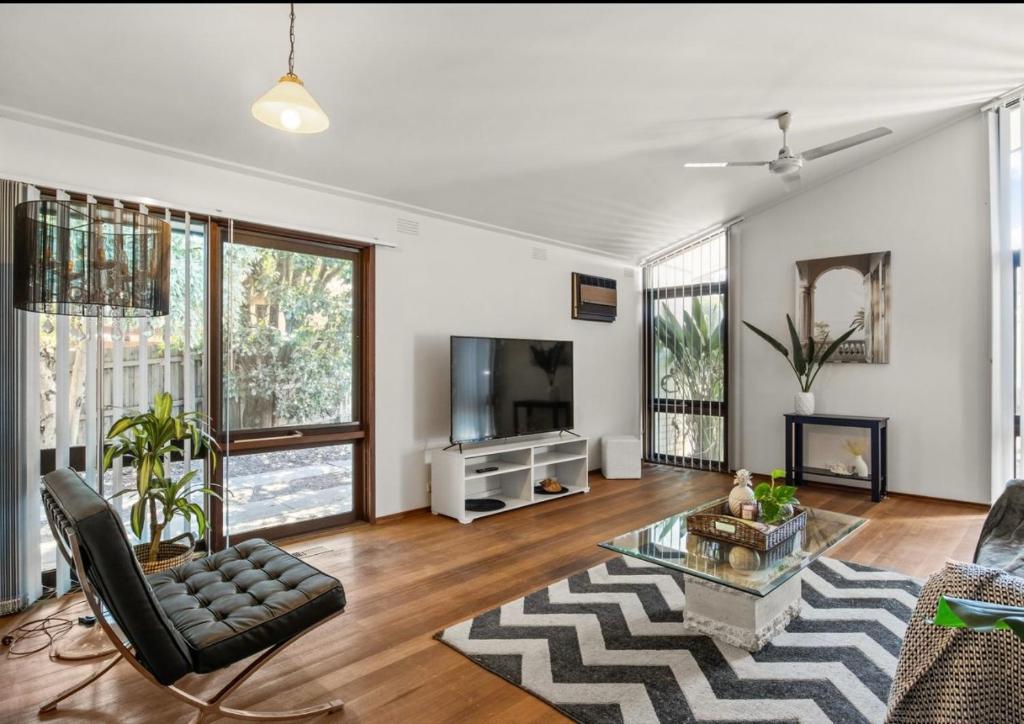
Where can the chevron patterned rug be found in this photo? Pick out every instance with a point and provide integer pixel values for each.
(609, 645)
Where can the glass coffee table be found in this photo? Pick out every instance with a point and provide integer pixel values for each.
(736, 594)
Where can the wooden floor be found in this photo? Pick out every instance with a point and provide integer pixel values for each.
(409, 578)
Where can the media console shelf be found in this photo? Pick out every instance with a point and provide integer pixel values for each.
(520, 466)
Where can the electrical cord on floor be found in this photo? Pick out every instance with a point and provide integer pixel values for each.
(43, 633)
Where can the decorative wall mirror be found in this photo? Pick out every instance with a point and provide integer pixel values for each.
(840, 292)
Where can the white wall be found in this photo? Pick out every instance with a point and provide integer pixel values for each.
(451, 279)
(928, 204)
(458, 280)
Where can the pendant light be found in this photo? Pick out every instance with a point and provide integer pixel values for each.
(288, 106)
(90, 260)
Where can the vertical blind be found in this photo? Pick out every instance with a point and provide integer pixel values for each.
(1007, 225)
(19, 517)
(686, 355)
(69, 412)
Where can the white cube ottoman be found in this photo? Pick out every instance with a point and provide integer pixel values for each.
(620, 457)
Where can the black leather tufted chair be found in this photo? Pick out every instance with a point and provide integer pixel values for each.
(195, 618)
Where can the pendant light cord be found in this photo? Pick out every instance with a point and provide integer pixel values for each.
(291, 40)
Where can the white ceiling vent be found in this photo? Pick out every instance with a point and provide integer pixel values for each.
(539, 253)
(407, 226)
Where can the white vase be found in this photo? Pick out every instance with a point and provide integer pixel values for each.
(804, 403)
(860, 467)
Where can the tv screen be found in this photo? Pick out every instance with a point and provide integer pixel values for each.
(509, 387)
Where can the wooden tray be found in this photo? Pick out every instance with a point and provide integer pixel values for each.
(719, 524)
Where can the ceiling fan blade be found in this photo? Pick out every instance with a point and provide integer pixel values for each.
(792, 182)
(723, 164)
(845, 143)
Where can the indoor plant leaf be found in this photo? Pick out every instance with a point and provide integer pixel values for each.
(770, 510)
(762, 491)
(144, 473)
(829, 351)
(108, 456)
(979, 616)
(200, 517)
(799, 361)
(162, 406)
(138, 512)
(780, 348)
(147, 440)
(121, 426)
(785, 493)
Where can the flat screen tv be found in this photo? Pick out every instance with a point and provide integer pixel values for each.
(509, 387)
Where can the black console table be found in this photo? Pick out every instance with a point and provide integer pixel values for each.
(879, 428)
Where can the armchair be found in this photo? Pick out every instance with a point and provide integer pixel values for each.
(198, 617)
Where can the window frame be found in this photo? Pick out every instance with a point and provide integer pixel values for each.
(358, 432)
(666, 405)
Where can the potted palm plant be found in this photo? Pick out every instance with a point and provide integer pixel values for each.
(806, 360)
(145, 440)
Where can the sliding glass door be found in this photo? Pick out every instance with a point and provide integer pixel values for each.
(686, 356)
(288, 377)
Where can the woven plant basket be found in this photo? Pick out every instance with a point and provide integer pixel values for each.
(169, 555)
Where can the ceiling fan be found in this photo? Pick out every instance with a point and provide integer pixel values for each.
(788, 164)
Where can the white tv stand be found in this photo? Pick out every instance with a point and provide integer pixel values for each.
(521, 465)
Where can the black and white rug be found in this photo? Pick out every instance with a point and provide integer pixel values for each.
(609, 645)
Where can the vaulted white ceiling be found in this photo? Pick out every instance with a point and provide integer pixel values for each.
(565, 121)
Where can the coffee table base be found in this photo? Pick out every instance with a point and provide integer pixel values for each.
(738, 618)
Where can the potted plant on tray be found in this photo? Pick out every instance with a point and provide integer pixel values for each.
(806, 361)
(145, 440)
(776, 501)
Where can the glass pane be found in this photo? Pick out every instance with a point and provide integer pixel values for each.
(289, 338)
(1015, 198)
(690, 348)
(680, 435)
(699, 264)
(286, 486)
(1014, 128)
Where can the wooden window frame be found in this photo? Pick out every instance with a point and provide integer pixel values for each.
(359, 433)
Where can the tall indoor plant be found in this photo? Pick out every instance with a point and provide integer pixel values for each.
(146, 440)
(806, 361)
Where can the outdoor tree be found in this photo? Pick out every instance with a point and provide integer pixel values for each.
(692, 360)
(289, 338)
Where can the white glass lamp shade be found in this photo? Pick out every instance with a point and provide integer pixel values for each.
(288, 106)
